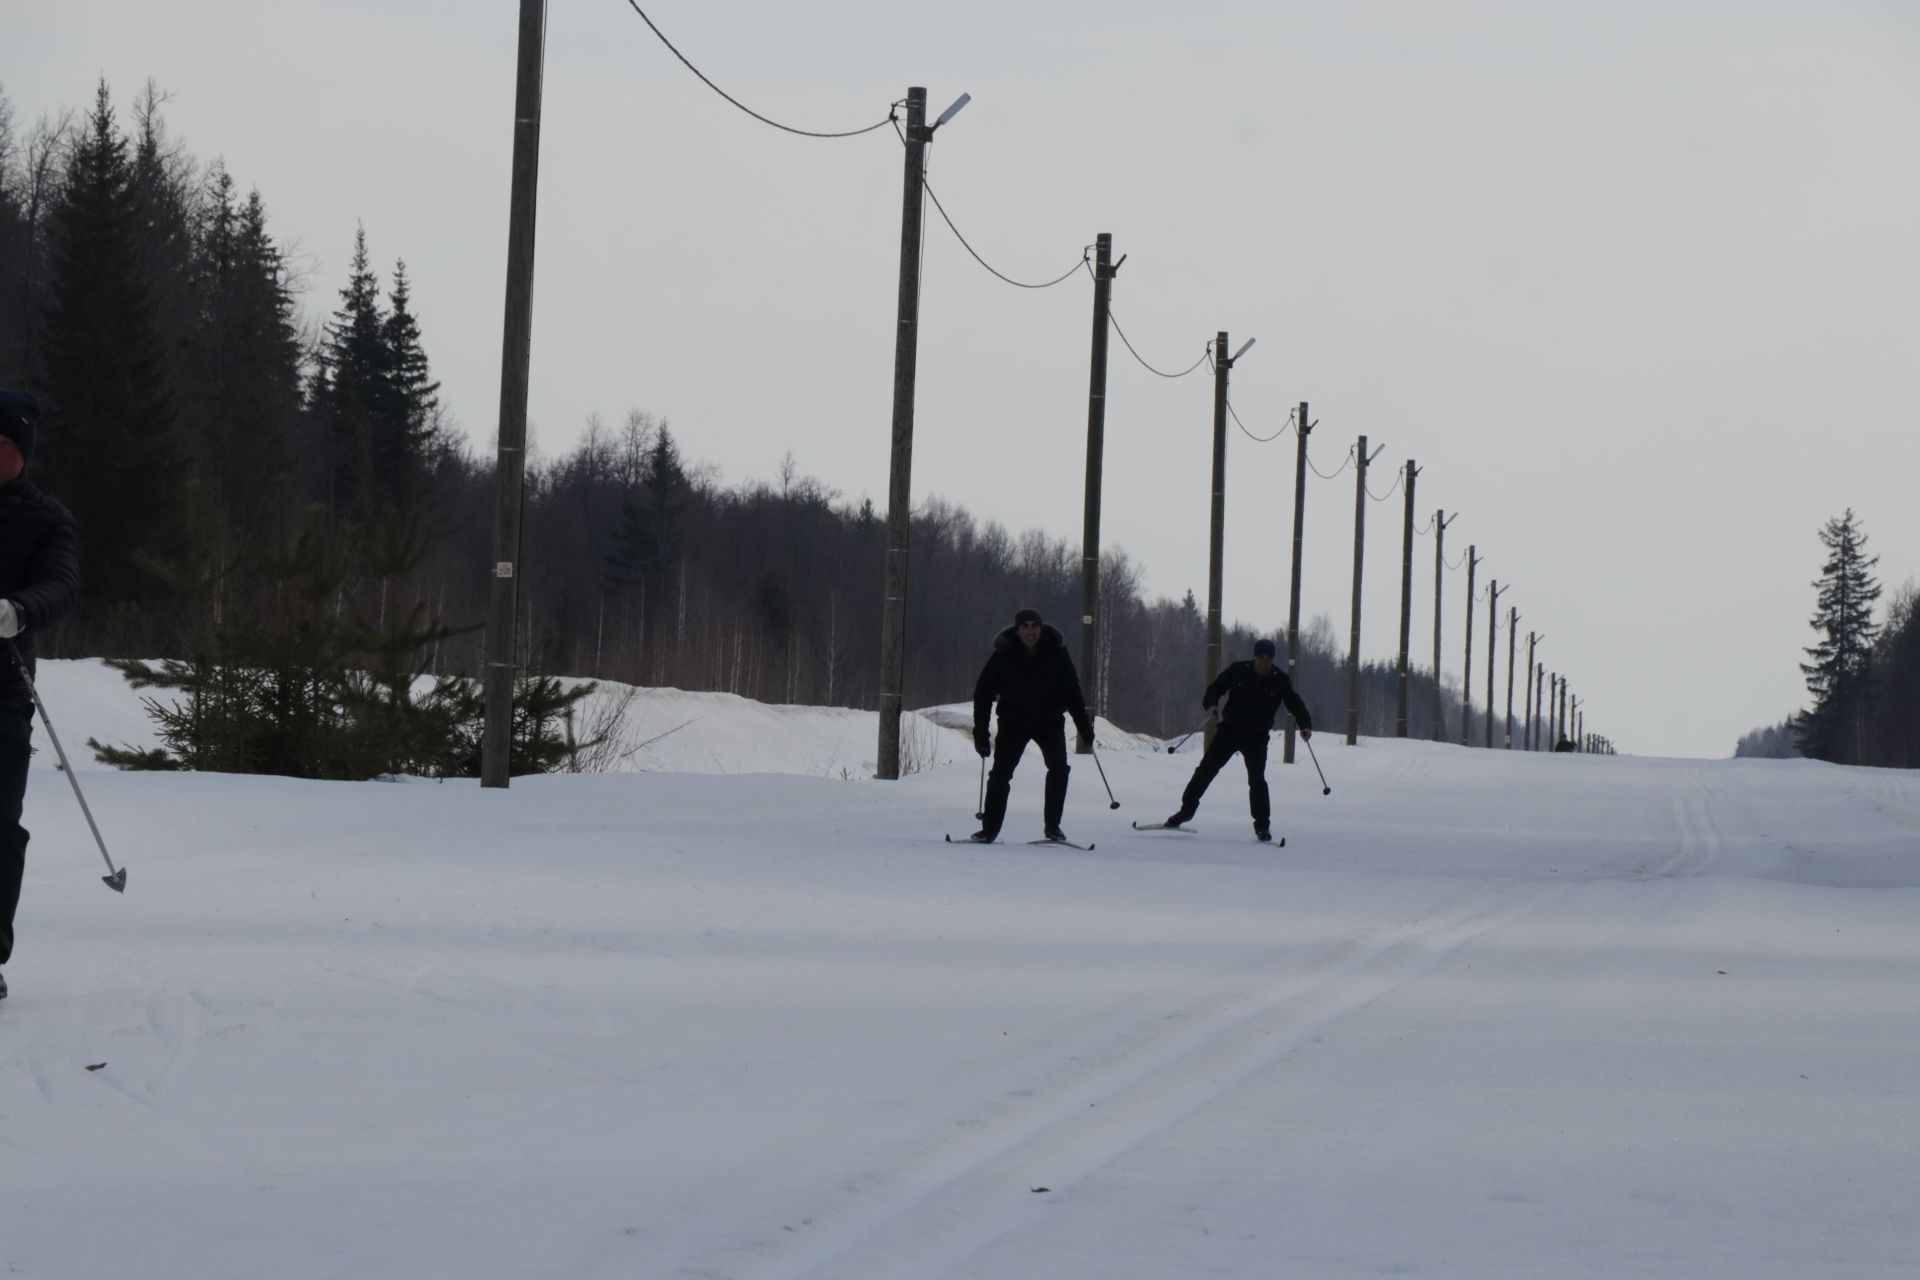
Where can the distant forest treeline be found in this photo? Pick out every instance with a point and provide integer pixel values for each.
(208, 435)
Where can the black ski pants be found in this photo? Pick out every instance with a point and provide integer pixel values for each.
(1253, 749)
(16, 731)
(1008, 745)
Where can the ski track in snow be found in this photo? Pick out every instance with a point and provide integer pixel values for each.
(1108, 1099)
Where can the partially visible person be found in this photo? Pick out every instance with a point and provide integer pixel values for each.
(39, 582)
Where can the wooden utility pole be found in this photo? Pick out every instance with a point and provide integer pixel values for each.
(1406, 600)
(1365, 460)
(1526, 703)
(1440, 523)
(906, 356)
(516, 358)
(1302, 428)
(1103, 270)
(1494, 590)
(1553, 714)
(1539, 695)
(1466, 671)
(1513, 633)
(1217, 535)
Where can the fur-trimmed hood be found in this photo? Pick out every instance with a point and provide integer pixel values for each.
(1008, 641)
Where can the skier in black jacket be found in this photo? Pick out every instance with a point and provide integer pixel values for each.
(1032, 675)
(39, 580)
(1254, 692)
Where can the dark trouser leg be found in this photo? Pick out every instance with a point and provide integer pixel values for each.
(16, 729)
(1254, 752)
(1053, 749)
(1008, 745)
(1218, 752)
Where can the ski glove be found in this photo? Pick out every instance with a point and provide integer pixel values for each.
(9, 620)
(981, 743)
(1085, 729)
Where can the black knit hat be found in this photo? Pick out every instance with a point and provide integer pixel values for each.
(18, 411)
(1263, 649)
(1026, 615)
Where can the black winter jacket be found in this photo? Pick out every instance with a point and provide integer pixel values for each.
(1253, 700)
(1034, 688)
(39, 568)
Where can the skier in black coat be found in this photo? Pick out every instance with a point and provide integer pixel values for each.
(1254, 693)
(39, 581)
(1032, 676)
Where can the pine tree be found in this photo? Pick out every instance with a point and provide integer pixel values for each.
(108, 446)
(1841, 671)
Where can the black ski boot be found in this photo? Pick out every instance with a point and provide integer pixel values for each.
(1180, 817)
(3, 986)
(983, 836)
(1262, 831)
(1055, 833)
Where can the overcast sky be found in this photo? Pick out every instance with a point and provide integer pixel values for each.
(1634, 283)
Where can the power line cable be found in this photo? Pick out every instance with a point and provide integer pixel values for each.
(1398, 476)
(1018, 284)
(1336, 473)
(1143, 363)
(1287, 426)
(805, 133)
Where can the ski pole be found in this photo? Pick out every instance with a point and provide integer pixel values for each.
(1176, 746)
(118, 880)
(980, 814)
(1325, 790)
(1095, 753)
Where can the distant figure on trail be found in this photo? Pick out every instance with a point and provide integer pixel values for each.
(1031, 675)
(1254, 691)
(39, 581)
(1565, 744)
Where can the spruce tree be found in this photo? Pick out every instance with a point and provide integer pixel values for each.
(403, 446)
(647, 543)
(241, 381)
(1840, 674)
(108, 445)
(355, 389)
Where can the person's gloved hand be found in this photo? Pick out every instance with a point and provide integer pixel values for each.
(9, 620)
(981, 743)
(1213, 712)
(1085, 729)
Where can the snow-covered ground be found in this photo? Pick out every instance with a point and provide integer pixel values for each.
(644, 729)
(1486, 1015)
